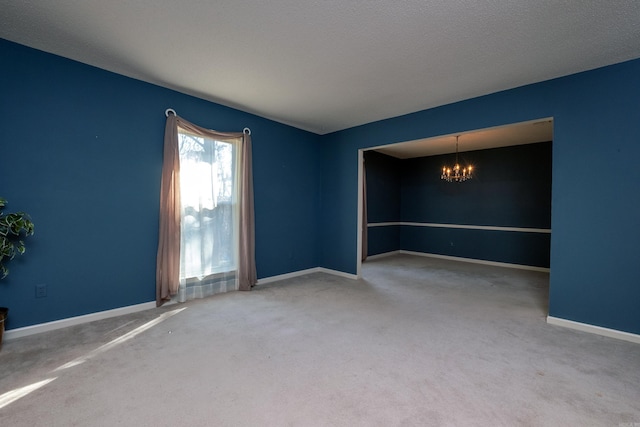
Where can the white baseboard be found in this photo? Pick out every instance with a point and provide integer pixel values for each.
(592, 329)
(71, 321)
(303, 272)
(478, 261)
(285, 276)
(382, 255)
(338, 273)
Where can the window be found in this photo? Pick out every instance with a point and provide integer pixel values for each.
(206, 240)
(209, 223)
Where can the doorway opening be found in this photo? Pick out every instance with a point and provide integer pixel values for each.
(500, 217)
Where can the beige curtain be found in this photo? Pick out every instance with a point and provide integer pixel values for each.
(365, 229)
(247, 276)
(168, 260)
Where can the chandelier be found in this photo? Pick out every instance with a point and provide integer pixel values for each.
(456, 173)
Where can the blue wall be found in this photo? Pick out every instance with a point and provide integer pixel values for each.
(595, 212)
(511, 188)
(383, 175)
(81, 151)
(531, 249)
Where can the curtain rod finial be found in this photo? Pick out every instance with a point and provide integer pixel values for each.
(247, 131)
(170, 110)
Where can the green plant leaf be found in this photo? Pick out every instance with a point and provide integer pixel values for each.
(12, 227)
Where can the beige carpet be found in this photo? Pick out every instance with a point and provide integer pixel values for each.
(417, 342)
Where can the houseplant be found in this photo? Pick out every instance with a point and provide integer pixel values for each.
(13, 228)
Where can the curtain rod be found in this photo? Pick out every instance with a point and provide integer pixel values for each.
(172, 111)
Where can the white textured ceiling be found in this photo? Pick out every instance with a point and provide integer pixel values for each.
(326, 65)
(501, 136)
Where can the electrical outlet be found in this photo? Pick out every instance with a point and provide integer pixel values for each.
(41, 291)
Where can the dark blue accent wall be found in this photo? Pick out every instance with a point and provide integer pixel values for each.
(383, 187)
(595, 203)
(383, 240)
(383, 176)
(511, 188)
(81, 151)
(530, 249)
